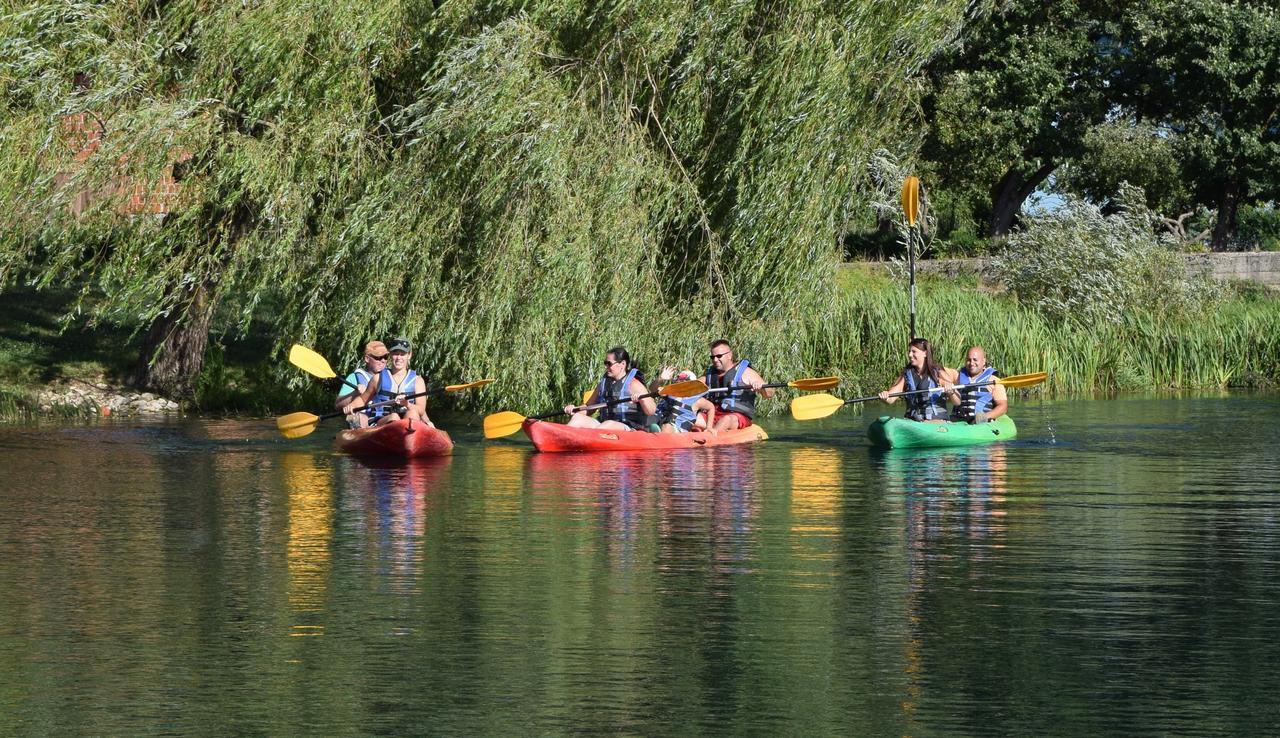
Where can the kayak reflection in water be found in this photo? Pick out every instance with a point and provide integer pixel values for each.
(394, 384)
(923, 372)
(621, 381)
(981, 404)
(683, 415)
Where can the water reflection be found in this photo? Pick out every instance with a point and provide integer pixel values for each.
(310, 490)
(393, 500)
(949, 492)
(151, 579)
(954, 504)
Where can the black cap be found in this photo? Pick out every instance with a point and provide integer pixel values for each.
(399, 344)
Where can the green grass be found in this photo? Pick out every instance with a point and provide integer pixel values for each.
(37, 348)
(1235, 344)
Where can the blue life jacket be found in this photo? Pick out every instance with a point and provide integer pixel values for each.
(362, 380)
(738, 401)
(388, 391)
(679, 411)
(973, 400)
(926, 405)
(623, 412)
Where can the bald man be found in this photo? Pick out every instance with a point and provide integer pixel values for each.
(978, 404)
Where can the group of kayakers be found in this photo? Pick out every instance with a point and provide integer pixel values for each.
(728, 404)
(386, 388)
(926, 386)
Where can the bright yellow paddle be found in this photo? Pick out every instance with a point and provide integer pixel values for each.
(297, 425)
(507, 422)
(812, 407)
(310, 362)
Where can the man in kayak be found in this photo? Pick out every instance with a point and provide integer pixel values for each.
(978, 404)
(620, 383)
(683, 415)
(375, 360)
(737, 407)
(395, 383)
(923, 372)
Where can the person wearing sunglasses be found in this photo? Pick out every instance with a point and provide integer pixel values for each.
(738, 407)
(621, 381)
(375, 360)
(395, 384)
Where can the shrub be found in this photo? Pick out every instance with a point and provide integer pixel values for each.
(1074, 264)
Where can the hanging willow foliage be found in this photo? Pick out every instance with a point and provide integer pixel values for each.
(515, 186)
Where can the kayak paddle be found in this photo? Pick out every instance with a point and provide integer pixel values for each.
(297, 425)
(808, 385)
(812, 407)
(507, 422)
(314, 364)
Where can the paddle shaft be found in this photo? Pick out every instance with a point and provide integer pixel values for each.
(384, 403)
(597, 405)
(748, 388)
(921, 391)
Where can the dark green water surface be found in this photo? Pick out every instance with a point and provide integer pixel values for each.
(1115, 570)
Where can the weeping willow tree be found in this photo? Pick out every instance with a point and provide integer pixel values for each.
(516, 186)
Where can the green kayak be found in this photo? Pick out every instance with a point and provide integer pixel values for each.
(888, 432)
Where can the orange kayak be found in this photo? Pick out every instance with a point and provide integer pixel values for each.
(554, 437)
(398, 438)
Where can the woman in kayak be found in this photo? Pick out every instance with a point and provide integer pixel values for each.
(621, 382)
(395, 383)
(922, 372)
(683, 415)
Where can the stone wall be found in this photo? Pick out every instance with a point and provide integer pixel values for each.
(1262, 267)
(1255, 266)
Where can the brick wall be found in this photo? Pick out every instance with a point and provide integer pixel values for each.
(84, 135)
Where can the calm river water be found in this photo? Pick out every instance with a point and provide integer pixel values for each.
(1115, 570)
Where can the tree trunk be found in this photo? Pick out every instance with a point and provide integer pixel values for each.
(173, 352)
(1008, 195)
(1225, 228)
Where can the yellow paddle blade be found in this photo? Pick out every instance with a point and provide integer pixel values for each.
(684, 389)
(911, 200)
(310, 362)
(1023, 380)
(468, 385)
(816, 383)
(812, 407)
(297, 425)
(502, 424)
(586, 396)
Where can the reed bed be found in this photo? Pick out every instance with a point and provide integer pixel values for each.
(863, 339)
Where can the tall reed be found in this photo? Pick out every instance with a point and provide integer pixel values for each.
(864, 340)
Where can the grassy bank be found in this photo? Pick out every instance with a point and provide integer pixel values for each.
(1236, 344)
(37, 349)
(861, 337)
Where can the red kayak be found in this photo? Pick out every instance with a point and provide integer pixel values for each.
(398, 438)
(549, 437)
